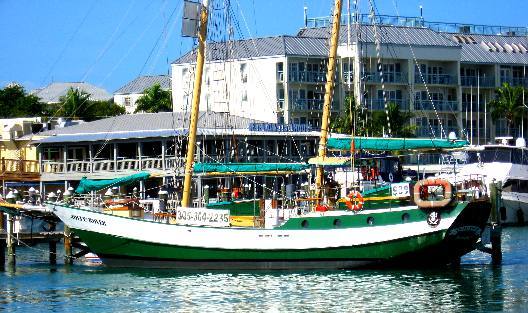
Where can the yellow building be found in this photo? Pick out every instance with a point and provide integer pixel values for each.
(18, 158)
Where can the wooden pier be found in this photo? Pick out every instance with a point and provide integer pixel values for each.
(9, 240)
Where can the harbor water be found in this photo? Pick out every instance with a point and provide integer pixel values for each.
(476, 285)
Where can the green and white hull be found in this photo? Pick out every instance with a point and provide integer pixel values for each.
(334, 239)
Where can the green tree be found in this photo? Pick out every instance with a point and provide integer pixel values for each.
(399, 122)
(507, 104)
(103, 109)
(154, 99)
(75, 104)
(15, 102)
(373, 123)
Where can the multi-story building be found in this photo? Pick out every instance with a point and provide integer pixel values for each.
(128, 95)
(446, 74)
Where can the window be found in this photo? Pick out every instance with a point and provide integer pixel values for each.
(243, 72)
(244, 94)
(280, 71)
(127, 101)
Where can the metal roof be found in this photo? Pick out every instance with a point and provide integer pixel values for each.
(398, 35)
(141, 83)
(144, 125)
(53, 92)
(260, 47)
(165, 133)
(474, 51)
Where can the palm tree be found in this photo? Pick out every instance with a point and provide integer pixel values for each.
(399, 121)
(507, 104)
(154, 100)
(75, 103)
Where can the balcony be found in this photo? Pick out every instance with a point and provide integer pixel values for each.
(389, 78)
(307, 77)
(379, 104)
(123, 165)
(436, 79)
(306, 105)
(467, 106)
(475, 81)
(438, 105)
(515, 81)
(19, 170)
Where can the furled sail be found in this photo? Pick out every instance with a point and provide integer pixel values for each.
(394, 144)
(86, 185)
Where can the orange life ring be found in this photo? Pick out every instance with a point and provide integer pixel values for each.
(354, 201)
(421, 193)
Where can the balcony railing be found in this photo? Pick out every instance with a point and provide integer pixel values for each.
(305, 105)
(18, 167)
(515, 81)
(307, 77)
(85, 166)
(126, 165)
(394, 77)
(477, 81)
(438, 105)
(435, 79)
(467, 106)
(379, 104)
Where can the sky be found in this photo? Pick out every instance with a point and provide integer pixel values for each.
(110, 42)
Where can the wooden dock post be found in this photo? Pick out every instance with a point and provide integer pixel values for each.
(2, 243)
(52, 252)
(10, 241)
(68, 256)
(496, 229)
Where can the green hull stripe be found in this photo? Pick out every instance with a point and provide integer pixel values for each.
(103, 244)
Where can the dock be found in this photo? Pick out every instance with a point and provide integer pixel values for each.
(10, 240)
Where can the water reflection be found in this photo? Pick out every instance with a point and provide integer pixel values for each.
(474, 286)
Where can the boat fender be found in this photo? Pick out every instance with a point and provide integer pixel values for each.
(355, 201)
(421, 193)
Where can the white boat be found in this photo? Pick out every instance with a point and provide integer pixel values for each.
(495, 163)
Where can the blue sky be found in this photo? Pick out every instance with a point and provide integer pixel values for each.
(110, 42)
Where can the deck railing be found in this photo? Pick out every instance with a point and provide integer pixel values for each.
(125, 165)
(85, 166)
(19, 166)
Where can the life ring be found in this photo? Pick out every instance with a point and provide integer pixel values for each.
(421, 193)
(391, 177)
(354, 201)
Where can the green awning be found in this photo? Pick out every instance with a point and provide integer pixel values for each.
(394, 144)
(87, 185)
(212, 169)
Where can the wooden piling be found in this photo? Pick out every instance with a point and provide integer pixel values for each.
(52, 252)
(2, 243)
(10, 241)
(496, 229)
(68, 255)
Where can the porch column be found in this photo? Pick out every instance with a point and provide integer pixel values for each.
(65, 159)
(90, 157)
(41, 167)
(140, 155)
(115, 156)
(163, 148)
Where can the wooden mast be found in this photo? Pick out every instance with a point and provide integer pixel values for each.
(329, 90)
(191, 145)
